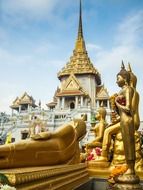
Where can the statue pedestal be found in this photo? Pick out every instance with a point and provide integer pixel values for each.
(127, 182)
(62, 177)
(98, 169)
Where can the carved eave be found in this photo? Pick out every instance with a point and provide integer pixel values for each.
(51, 104)
(71, 93)
(101, 93)
(15, 104)
(54, 102)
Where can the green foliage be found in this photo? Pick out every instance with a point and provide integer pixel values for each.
(92, 119)
(3, 179)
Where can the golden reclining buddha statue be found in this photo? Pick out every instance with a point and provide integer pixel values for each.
(46, 148)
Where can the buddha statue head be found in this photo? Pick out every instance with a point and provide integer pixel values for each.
(101, 112)
(123, 77)
(80, 128)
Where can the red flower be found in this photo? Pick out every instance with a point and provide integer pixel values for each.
(121, 100)
(90, 157)
(98, 151)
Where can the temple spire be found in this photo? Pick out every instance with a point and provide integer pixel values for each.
(80, 32)
(80, 44)
(79, 62)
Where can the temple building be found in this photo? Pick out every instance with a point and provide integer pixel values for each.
(25, 103)
(80, 90)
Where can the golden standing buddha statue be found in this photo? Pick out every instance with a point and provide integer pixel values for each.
(127, 103)
(124, 102)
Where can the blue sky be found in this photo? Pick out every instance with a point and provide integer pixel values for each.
(37, 38)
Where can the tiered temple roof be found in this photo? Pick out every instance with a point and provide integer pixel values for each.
(80, 62)
(24, 99)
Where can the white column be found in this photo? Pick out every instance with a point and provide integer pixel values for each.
(108, 104)
(58, 102)
(19, 108)
(81, 101)
(76, 101)
(63, 102)
(97, 103)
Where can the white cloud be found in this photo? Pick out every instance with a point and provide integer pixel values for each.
(30, 10)
(131, 30)
(31, 7)
(93, 47)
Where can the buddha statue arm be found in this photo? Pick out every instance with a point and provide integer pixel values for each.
(95, 128)
(61, 132)
(41, 136)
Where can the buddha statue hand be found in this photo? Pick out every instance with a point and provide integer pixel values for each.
(41, 136)
(121, 100)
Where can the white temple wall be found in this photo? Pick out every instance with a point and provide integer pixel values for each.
(89, 84)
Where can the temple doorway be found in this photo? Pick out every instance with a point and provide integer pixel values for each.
(72, 105)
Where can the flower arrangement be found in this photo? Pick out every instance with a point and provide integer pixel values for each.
(118, 170)
(98, 151)
(90, 156)
(94, 154)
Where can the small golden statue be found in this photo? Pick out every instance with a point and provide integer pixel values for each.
(110, 131)
(46, 148)
(99, 128)
(36, 126)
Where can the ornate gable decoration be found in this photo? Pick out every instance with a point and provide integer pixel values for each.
(26, 99)
(102, 93)
(72, 87)
(72, 83)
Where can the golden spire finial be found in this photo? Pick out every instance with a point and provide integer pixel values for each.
(80, 31)
(80, 44)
